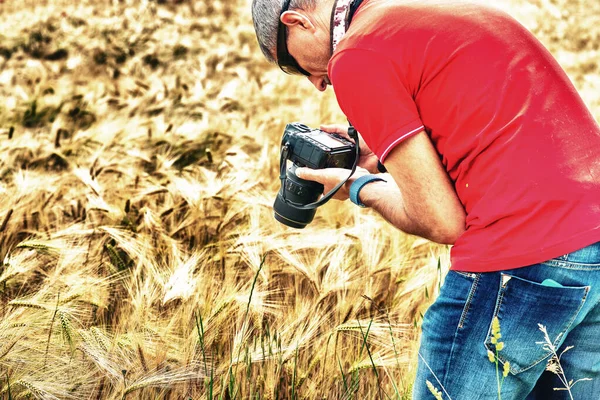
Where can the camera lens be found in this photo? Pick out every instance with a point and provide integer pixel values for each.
(297, 192)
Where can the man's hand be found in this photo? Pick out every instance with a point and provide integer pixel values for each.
(330, 177)
(368, 160)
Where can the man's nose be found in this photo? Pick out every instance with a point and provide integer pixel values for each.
(318, 82)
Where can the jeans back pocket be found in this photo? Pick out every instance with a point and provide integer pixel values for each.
(521, 307)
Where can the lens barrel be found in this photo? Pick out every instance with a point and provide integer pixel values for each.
(297, 192)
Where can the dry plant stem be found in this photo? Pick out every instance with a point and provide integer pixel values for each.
(50, 330)
(342, 373)
(8, 349)
(6, 219)
(387, 317)
(365, 344)
(200, 329)
(563, 378)
(558, 370)
(244, 321)
(294, 376)
(434, 375)
(100, 389)
(8, 386)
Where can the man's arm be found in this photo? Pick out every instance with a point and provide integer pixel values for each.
(422, 201)
(418, 197)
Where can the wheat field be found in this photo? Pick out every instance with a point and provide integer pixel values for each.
(140, 259)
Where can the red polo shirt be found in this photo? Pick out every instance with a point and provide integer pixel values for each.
(512, 132)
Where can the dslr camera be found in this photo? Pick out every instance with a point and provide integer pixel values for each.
(301, 146)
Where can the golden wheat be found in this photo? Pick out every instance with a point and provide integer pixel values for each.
(139, 151)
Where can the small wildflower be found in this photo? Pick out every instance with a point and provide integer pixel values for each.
(496, 335)
(436, 393)
(495, 326)
(506, 369)
(491, 356)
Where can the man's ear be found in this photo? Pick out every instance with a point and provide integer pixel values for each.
(293, 18)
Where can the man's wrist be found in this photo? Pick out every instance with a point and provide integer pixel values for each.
(357, 186)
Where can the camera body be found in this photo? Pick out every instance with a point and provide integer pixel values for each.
(315, 149)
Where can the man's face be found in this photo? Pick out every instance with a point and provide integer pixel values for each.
(309, 44)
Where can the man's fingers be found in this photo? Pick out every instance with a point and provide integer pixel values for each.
(324, 176)
(305, 173)
(339, 129)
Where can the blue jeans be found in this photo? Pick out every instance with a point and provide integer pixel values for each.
(562, 294)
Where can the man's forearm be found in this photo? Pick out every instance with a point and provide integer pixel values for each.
(387, 199)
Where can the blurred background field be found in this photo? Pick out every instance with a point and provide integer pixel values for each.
(138, 166)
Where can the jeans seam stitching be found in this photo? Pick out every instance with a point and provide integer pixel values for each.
(460, 325)
(463, 315)
(503, 359)
(571, 265)
(587, 290)
(596, 304)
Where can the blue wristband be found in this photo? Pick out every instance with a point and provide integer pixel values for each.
(358, 184)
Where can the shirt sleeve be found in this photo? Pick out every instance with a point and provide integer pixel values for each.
(370, 91)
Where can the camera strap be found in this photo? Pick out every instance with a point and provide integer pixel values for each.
(325, 198)
(341, 16)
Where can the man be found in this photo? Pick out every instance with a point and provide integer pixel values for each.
(489, 148)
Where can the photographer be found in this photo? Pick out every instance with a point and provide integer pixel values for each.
(488, 148)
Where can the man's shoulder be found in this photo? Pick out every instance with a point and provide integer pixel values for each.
(389, 24)
(413, 35)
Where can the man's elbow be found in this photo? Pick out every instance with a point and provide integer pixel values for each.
(448, 232)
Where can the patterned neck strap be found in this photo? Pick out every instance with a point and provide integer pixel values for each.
(341, 16)
(339, 21)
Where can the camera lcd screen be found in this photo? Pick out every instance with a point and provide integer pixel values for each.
(329, 141)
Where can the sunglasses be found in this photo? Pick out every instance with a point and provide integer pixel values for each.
(286, 62)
